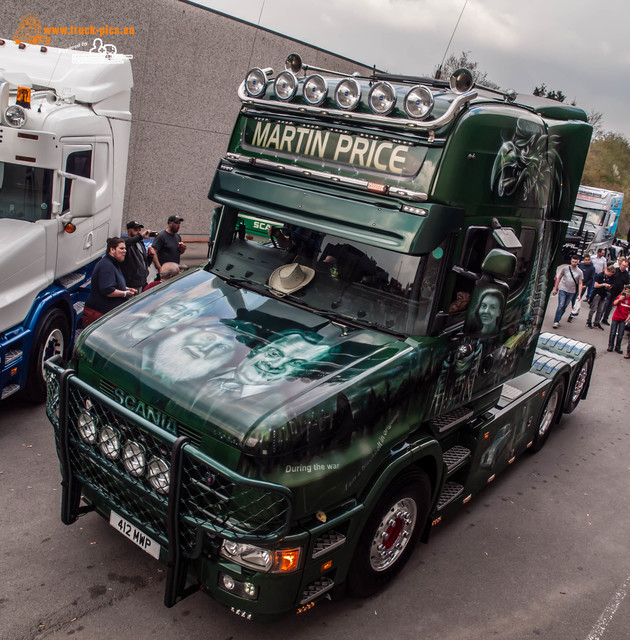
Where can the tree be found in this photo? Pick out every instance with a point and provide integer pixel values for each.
(551, 94)
(608, 167)
(453, 62)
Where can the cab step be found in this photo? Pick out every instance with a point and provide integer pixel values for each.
(11, 356)
(316, 589)
(328, 541)
(452, 418)
(455, 457)
(9, 390)
(451, 491)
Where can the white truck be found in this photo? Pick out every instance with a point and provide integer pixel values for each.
(64, 138)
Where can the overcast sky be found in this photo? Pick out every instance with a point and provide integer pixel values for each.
(575, 46)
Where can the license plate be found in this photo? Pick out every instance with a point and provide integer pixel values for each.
(135, 535)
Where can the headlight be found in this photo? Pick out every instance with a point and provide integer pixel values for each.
(159, 475)
(285, 86)
(134, 458)
(15, 115)
(315, 89)
(255, 82)
(87, 427)
(382, 98)
(109, 442)
(348, 94)
(260, 559)
(419, 102)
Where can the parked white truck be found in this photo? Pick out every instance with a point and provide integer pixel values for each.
(64, 138)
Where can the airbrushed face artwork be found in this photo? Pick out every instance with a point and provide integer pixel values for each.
(489, 312)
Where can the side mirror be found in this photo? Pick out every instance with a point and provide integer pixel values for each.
(499, 264)
(82, 195)
(486, 307)
(83, 198)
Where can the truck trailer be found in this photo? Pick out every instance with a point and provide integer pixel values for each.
(286, 422)
(64, 137)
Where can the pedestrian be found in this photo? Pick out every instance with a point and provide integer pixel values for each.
(601, 292)
(135, 268)
(620, 279)
(619, 318)
(588, 271)
(568, 288)
(108, 288)
(168, 270)
(168, 245)
(599, 261)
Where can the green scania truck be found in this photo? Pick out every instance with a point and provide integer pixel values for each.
(289, 420)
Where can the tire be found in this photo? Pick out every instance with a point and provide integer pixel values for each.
(52, 338)
(580, 385)
(549, 415)
(390, 533)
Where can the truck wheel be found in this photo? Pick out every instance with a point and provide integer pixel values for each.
(52, 339)
(550, 414)
(580, 385)
(390, 534)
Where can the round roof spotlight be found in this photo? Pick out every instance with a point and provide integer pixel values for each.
(382, 98)
(15, 116)
(419, 102)
(348, 94)
(286, 85)
(293, 63)
(315, 89)
(255, 82)
(461, 81)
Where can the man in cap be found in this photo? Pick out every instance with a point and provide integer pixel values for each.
(168, 245)
(135, 268)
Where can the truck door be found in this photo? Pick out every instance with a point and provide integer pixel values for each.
(75, 249)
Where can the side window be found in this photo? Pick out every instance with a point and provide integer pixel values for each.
(477, 243)
(80, 164)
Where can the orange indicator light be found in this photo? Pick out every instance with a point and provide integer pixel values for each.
(492, 477)
(69, 228)
(23, 97)
(486, 436)
(467, 499)
(326, 566)
(14, 371)
(436, 521)
(287, 560)
(376, 187)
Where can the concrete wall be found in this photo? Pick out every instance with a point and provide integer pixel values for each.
(187, 65)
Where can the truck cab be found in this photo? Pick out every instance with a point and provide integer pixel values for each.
(65, 131)
(297, 414)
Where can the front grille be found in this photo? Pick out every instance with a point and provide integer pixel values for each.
(210, 498)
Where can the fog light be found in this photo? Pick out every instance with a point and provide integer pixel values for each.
(87, 427)
(228, 582)
(315, 89)
(234, 586)
(109, 442)
(382, 98)
(158, 475)
(285, 86)
(15, 116)
(134, 458)
(348, 94)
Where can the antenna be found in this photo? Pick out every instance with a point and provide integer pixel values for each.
(438, 73)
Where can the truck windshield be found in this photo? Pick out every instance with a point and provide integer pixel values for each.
(593, 217)
(368, 285)
(25, 192)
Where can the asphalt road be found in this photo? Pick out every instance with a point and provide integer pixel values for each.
(543, 552)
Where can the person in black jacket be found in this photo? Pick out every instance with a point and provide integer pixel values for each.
(618, 282)
(108, 288)
(135, 267)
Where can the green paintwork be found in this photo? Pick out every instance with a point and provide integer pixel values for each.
(408, 319)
